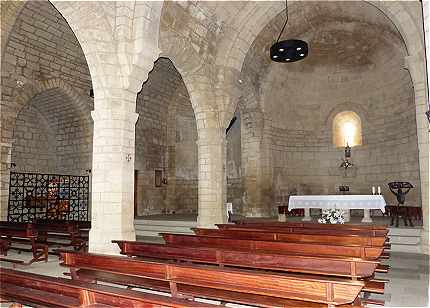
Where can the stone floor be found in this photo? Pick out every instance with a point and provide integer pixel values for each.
(408, 286)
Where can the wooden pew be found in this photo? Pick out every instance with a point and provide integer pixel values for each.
(302, 230)
(310, 225)
(363, 252)
(57, 229)
(43, 291)
(210, 282)
(294, 237)
(23, 233)
(320, 265)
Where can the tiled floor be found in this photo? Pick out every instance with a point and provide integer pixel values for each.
(408, 286)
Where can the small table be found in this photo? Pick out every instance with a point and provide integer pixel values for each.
(347, 202)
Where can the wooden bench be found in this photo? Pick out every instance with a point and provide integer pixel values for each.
(301, 230)
(311, 225)
(64, 230)
(242, 286)
(43, 291)
(320, 265)
(294, 237)
(363, 252)
(22, 233)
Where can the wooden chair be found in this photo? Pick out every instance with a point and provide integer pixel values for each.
(240, 286)
(43, 291)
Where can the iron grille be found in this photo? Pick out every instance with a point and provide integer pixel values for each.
(47, 196)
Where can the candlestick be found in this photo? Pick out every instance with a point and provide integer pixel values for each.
(379, 190)
(373, 190)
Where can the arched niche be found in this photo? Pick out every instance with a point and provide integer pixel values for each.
(347, 129)
(52, 135)
(166, 150)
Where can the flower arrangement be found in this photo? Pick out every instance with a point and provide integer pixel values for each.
(332, 216)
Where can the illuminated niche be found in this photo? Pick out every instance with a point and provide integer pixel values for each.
(347, 129)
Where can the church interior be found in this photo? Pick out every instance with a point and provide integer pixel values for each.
(214, 153)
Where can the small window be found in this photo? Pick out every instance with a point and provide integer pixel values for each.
(347, 129)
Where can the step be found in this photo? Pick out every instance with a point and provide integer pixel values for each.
(405, 239)
(146, 227)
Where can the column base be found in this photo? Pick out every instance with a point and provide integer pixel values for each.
(100, 240)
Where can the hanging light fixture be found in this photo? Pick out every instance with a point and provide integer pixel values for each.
(289, 50)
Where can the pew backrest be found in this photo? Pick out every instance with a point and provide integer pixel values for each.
(293, 237)
(301, 230)
(332, 266)
(364, 252)
(310, 225)
(320, 289)
(58, 292)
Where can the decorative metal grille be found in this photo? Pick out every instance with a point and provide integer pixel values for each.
(47, 196)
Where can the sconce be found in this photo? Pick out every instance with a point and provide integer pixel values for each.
(128, 157)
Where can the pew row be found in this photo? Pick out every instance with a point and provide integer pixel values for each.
(43, 291)
(311, 225)
(293, 237)
(363, 252)
(287, 228)
(22, 233)
(331, 266)
(242, 286)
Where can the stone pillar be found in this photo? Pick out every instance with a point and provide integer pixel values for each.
(212, 189)
(423, 137)
(5, 160)
(112, 209)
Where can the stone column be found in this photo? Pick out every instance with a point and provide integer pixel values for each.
(112, 209)
(423, 137)
(212, 177)
(5, 160)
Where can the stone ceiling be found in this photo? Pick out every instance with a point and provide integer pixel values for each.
(347, 35)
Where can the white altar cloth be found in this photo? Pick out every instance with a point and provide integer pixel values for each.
(350, 202)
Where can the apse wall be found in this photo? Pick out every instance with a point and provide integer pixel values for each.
(166, 135)
(356, 63)
(305, 159)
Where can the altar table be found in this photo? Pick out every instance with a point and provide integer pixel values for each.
(346, 202)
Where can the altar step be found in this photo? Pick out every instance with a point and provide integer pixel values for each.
(150, 228)
(405, 239)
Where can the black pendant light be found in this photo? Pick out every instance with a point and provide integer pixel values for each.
(289, 50)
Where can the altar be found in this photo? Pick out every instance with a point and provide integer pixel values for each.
(345, 202)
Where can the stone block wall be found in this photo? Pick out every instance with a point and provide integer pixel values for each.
(35, 147)
(45, 90)
(304, 156)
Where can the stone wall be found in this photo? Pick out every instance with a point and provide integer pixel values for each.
(44, 78)
(299, 101)
(304, 153)
(166, 137)
(34, 148)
